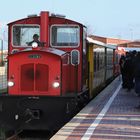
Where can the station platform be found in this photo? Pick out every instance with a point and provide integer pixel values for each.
(112, 115)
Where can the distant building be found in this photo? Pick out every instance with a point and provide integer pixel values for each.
(132, 44)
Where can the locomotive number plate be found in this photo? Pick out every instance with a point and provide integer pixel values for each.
(34, 56)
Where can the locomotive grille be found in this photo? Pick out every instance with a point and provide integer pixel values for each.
(34, 77)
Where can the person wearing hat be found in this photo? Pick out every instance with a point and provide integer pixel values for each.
(35, 39)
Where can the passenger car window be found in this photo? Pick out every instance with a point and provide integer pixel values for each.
(22, 34)
(65, 36)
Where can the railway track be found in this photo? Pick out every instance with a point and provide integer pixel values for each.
(30, 135)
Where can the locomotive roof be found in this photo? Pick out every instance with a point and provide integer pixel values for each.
(27, 18)
(96, 42)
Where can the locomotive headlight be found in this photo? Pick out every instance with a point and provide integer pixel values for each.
(56, 84)
(10, 83)
(34, 44)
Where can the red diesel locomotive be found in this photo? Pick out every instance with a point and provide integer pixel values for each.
(50, 78)
(45, 82)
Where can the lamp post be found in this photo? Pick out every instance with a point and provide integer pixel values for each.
(131, 33)
(2, 62)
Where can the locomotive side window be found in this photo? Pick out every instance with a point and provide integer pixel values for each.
(22, 34)
(65, 36)
(75, 60)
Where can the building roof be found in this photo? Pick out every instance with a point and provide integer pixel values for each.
(106, 40)
(134, 44)
(92, 41)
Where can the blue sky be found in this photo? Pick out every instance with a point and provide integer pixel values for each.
(109, 18)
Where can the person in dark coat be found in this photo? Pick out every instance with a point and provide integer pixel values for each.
(35, 39)
(128, 70)
(121, 63)
(137, 74)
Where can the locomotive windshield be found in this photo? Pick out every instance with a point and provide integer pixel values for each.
(22, 34)
(65, 36)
